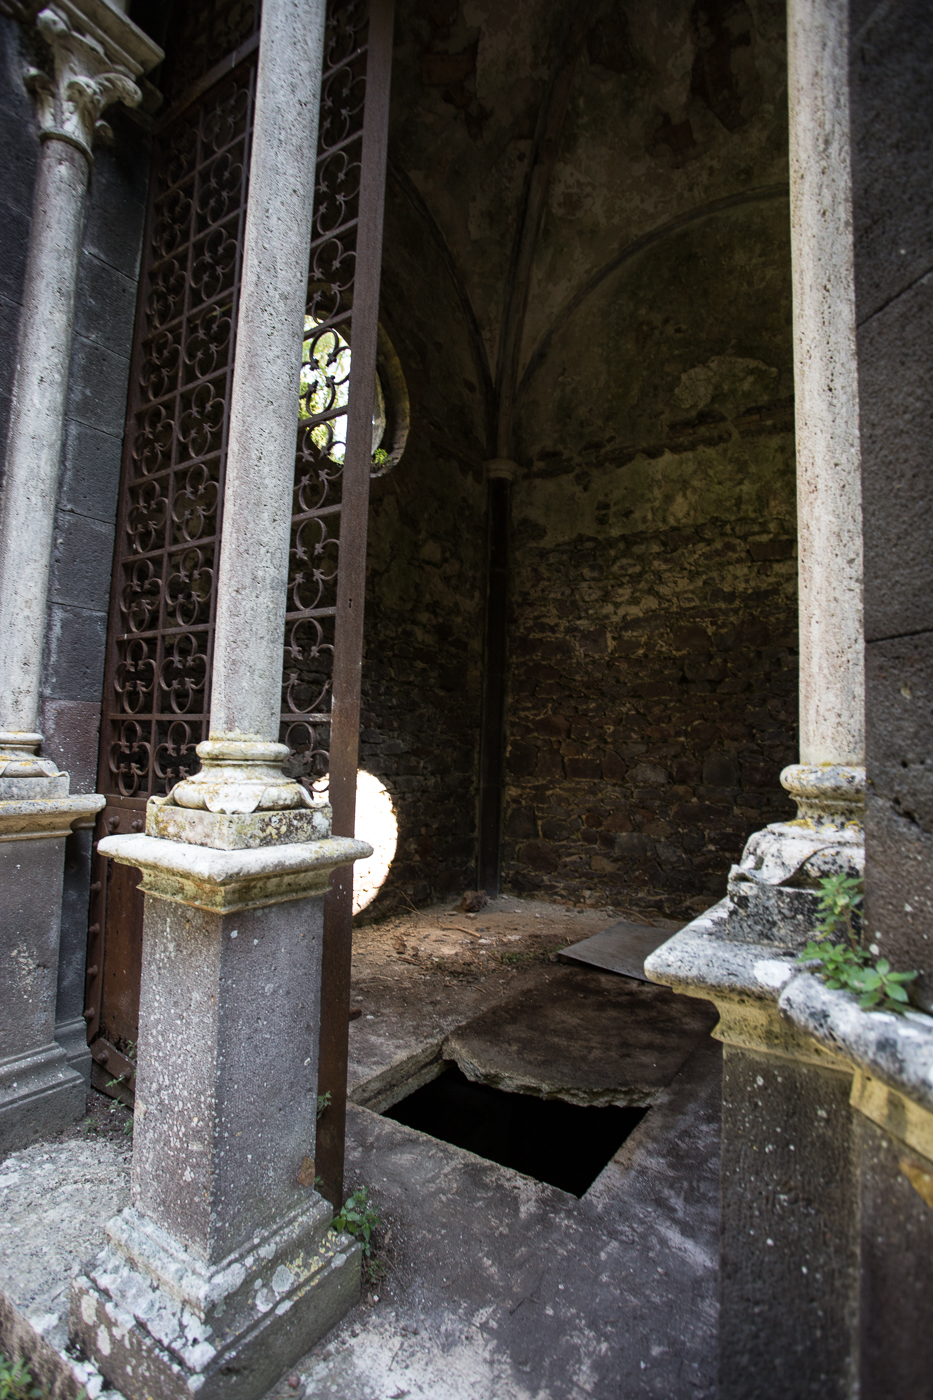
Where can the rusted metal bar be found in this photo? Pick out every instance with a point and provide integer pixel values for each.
(351, 588)
(492, 748)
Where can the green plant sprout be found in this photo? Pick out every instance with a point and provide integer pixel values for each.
(359, 1217)
(323, 1101)
(848, 966)
(16, 1381)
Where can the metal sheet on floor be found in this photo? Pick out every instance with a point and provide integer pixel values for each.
(620, 948)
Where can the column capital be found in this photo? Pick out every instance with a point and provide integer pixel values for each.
(97, 52)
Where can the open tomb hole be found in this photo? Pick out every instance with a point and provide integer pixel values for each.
(565, 1144)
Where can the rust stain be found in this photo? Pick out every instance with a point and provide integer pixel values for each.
(306, 1173)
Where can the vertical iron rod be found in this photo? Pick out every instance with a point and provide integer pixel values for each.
(492, 744)
(351, 589)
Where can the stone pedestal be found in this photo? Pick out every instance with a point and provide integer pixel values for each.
(95, 53)
(39, 1091)
(224, 1269)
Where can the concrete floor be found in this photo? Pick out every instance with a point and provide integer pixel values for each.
(495, 1286)
(499, 1287)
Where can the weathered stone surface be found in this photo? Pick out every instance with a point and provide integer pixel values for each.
(238, 831)
(55, 1198)
(39, 1092)
(789, 1235)
(584, 1036)
(895, 1305)
(230, 1330)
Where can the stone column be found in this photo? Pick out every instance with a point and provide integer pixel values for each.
(830, 778)
(789, 1247)
(96, 53)
(224, 1269)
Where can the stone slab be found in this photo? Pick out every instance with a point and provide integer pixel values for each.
(620, 948)
(55, 1198)
(584, 1036)
(501, 1288)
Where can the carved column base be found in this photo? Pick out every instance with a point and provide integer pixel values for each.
(161, 1323)
(40, 1093)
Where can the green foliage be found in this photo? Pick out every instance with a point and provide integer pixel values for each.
(16, 1382)
(323, 1101)
(840, 897)
(848, 966)
(359, 1218)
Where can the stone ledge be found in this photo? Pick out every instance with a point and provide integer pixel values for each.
(701, 961)
(51, 816)
(222, 882)
(795, 1010)
(898, 1050)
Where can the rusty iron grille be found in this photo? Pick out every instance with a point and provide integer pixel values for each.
(204, 33)
(157, 693)
(157, 684)
(324, 397)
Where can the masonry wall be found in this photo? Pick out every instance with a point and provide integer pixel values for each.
(425, 584)
(653, 691)
(652, 688)
(892, 166)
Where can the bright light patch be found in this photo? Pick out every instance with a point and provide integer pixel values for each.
(375, 823)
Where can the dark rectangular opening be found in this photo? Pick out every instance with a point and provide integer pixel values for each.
(564, 1144)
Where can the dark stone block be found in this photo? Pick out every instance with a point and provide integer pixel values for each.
(899, 691)
(720, 770)
(14, 242)
(892, 155)
(74, 661)
(105, 305)
(70, 732)
(72, 948)
(896, 1303)
(789, 1264)
(895, 392)
(81, 561)
(540, 855)
(899, 817)
(899, 893)
(9, 334)
(90, 478)
(97, 391)
(117, 198)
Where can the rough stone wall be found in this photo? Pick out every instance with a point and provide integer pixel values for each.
(892, 165)
(653, 630)
(424, 604)
(653, 688)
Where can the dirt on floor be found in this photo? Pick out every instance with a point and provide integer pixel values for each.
(442, 942)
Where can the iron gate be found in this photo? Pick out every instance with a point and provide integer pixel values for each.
(156, 702)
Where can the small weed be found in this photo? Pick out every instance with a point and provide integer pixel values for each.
(359, 1218)
(16, 1381)
(323, 1102)
(848, 966)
